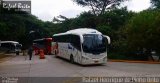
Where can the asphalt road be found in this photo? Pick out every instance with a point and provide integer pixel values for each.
(21, 66)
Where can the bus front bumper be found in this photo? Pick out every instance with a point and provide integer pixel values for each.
(90, 61)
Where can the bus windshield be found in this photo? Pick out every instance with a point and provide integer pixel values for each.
(94, 43)
(18, 46)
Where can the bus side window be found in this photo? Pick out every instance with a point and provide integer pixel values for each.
(75, 41)
(5, 46)
(12, 46)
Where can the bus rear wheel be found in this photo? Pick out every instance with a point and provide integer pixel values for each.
(71, 59)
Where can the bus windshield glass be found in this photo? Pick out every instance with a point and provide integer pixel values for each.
(18, 46)
(94, 43)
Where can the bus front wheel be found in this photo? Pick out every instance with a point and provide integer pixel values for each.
(71, 59)
(56, 54)
(17, 53)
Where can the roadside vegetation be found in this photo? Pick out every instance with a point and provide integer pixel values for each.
(2, 55)
(134, 35)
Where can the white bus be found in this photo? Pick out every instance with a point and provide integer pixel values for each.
(10, 46)
(84, 46)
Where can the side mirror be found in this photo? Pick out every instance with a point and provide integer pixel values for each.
(108, 38)
(21, 45)
(81, 39)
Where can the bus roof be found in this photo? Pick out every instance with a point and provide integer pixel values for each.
(80, 31)
(43, 39)
(9, 42)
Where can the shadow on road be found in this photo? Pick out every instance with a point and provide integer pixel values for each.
(77, 64)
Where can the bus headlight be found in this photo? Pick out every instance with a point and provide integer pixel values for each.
(85, 58)
(105, 59)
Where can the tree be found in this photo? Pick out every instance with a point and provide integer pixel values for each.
(85, 19)
(99, 7)
(155, 4)
(16, 25)
(143, 31)
(116, 18)
(59, 19)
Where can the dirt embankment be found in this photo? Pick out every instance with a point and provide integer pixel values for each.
(2, 55)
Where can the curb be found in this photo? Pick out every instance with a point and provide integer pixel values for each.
(130, 61)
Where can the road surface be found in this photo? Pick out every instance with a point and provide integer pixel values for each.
(21, 66)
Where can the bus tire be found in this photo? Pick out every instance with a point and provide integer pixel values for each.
(17, 53)
(71, 59)
(8, 51)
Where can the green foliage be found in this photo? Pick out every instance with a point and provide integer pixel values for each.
(116, 56)
(98, 7)
(17, 25)
(155, 4)
(105, 30)
(117, 18)
(143, 31)
(86, 19)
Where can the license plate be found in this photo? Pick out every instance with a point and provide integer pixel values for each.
(96, 61)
